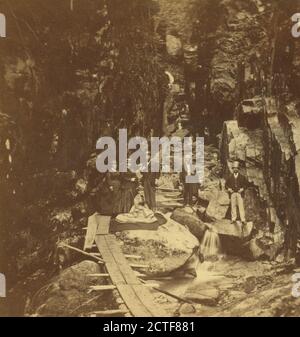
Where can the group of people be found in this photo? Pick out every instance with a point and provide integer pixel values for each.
(118, 192)
(121, 193)
(236, 185)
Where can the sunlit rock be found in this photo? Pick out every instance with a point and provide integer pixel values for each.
(164, 250)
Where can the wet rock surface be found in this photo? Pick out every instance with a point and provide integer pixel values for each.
(227, 286)
(274, 301)
(190, 220)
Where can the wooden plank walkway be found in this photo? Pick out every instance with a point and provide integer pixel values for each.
(136, 296)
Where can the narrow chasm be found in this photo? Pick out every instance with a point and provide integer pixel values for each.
(227, 71)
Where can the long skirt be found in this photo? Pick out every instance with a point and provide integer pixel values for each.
(126, 200)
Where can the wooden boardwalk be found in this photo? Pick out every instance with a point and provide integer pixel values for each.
(136, 296)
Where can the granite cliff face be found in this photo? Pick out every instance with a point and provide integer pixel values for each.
(251, 85)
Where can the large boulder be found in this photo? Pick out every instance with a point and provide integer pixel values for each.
(226, 228)
(163, 251)
(233, 236)
(218, 206)
(264, 246)
(253, 250)
(191, 221)
(206, 196)
(67, 292)
(209, 192)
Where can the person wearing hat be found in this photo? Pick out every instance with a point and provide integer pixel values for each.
(236, 185)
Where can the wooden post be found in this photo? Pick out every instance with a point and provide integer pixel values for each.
(101, 288)
(82, 252)
(135, 257)
(142, 266)
(98, 275)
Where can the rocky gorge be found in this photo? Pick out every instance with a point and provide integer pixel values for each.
(239, 76)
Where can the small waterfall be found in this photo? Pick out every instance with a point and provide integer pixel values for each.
(210, 245)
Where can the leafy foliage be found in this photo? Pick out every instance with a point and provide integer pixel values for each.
(67, 66)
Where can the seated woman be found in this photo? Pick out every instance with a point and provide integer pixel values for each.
(139, 212)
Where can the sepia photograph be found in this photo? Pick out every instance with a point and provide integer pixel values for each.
(149, 160)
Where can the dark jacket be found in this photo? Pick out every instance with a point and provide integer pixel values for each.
(236, 183)
(149, 178)
(126, 183)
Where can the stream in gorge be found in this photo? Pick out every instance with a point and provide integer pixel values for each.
(179, 78)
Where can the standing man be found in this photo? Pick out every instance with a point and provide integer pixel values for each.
(190, 190)
(236, 185)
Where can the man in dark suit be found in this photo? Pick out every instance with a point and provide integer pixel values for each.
(190, 190)
(236, 185)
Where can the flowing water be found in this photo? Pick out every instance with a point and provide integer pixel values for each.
(210, 245)
(206, 274)
(211, 249)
